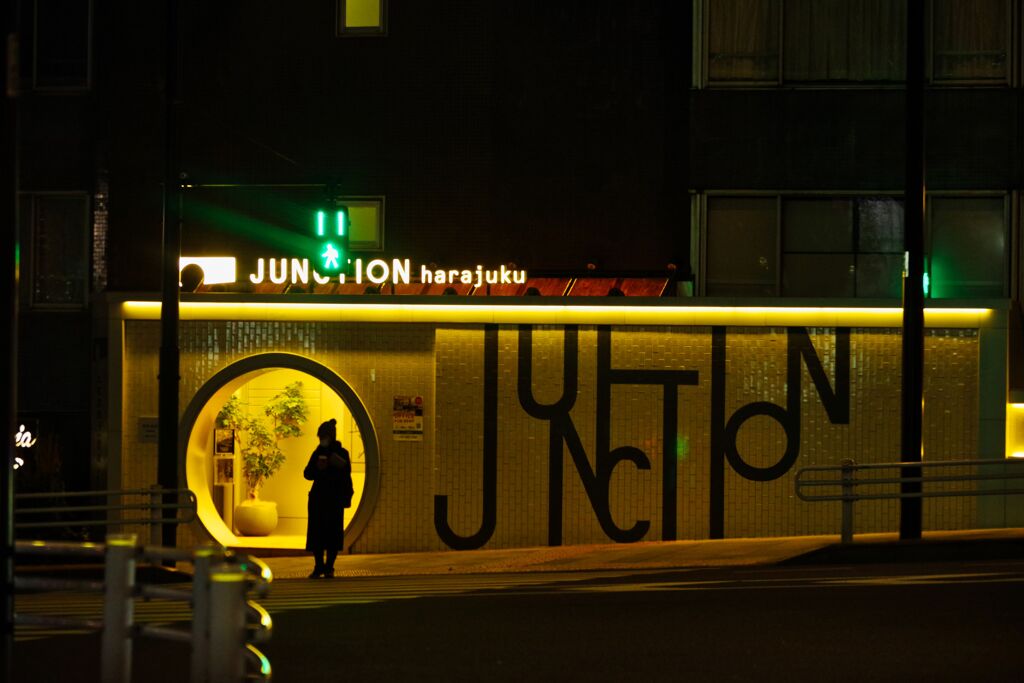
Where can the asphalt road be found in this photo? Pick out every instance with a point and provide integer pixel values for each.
(933, 622)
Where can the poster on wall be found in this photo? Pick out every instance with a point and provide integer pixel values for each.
(224, 441)
(407, 418)
(224, 471)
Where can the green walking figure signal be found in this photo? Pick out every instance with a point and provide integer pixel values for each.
(332, 254)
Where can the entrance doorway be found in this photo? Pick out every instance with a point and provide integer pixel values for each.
(232, 431)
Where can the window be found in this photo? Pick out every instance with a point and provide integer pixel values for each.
(61, 44)
(967, 247)
(60, 250)
(852, 246)
(742, 246)
(366, 217)
(810, 40)
(771, 42)
(743, 40)
(970, 40)
(842, 247)
(845, 40)
(362, 17)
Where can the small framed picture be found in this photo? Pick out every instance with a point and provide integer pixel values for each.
(224, 472)
(224, 441)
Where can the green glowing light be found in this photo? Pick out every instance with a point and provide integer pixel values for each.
(330, 258)
(927, 283)
(682, 447)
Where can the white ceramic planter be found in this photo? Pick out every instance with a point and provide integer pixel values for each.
(256, 517)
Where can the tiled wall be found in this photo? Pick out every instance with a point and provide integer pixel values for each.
(445, 364)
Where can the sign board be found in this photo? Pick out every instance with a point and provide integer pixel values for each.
(149, 429)
(407, 418)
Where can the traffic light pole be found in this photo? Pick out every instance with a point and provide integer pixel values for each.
(913, 276)
(9, 251)
(169, 377)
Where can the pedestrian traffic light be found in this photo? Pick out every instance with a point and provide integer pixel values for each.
(332, 229)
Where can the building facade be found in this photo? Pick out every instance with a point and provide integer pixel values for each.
(556, 139)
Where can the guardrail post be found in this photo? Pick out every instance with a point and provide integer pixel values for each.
(118, 608)
(155, 515)
(847, 478)
(202, 562)
(227, 646)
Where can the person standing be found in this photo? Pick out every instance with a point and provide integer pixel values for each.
(330, 470)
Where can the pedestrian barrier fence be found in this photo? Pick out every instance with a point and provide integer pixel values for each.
(224, 621)
(152, 507)
(938, 479)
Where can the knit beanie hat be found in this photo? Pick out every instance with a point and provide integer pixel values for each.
(329, 428)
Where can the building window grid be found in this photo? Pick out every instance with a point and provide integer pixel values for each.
(86, 83)
(1013, 225)
(36, 245)
(854, 251)
(1014, 75)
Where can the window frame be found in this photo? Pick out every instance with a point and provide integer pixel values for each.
(702, 75)
(368, 246)
(1008, 228)
(32, 260)
(342, 31)
(1012, 220)
(62, 89)
(1011, 48)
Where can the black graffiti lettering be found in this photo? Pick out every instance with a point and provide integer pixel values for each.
(670, 380)
(570, 375)
(716, 480)
(560, 426)
(790, 423)
(562, 434)
(596, 479)
(836, 402)
(490, 460)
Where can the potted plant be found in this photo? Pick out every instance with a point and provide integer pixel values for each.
(260, 446)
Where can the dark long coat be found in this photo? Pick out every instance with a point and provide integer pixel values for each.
(330, 494)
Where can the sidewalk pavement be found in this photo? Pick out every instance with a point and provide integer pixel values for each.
(981, 543)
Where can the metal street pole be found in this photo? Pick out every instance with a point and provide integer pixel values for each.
(9, 251)
(677, 39)
(913, 276)
(167, 454)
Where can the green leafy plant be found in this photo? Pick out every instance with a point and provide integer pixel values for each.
(288, 411)
(261, 444)
(231, 415)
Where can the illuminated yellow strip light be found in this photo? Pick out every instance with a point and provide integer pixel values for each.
(556, 314)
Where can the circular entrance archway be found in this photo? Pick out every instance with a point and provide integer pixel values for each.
(197, 438)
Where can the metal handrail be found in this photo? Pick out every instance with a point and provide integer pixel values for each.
(922, 479)
(233, 576)
(924, 463)
(154, 505)
(848, 483)
(93, 494)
